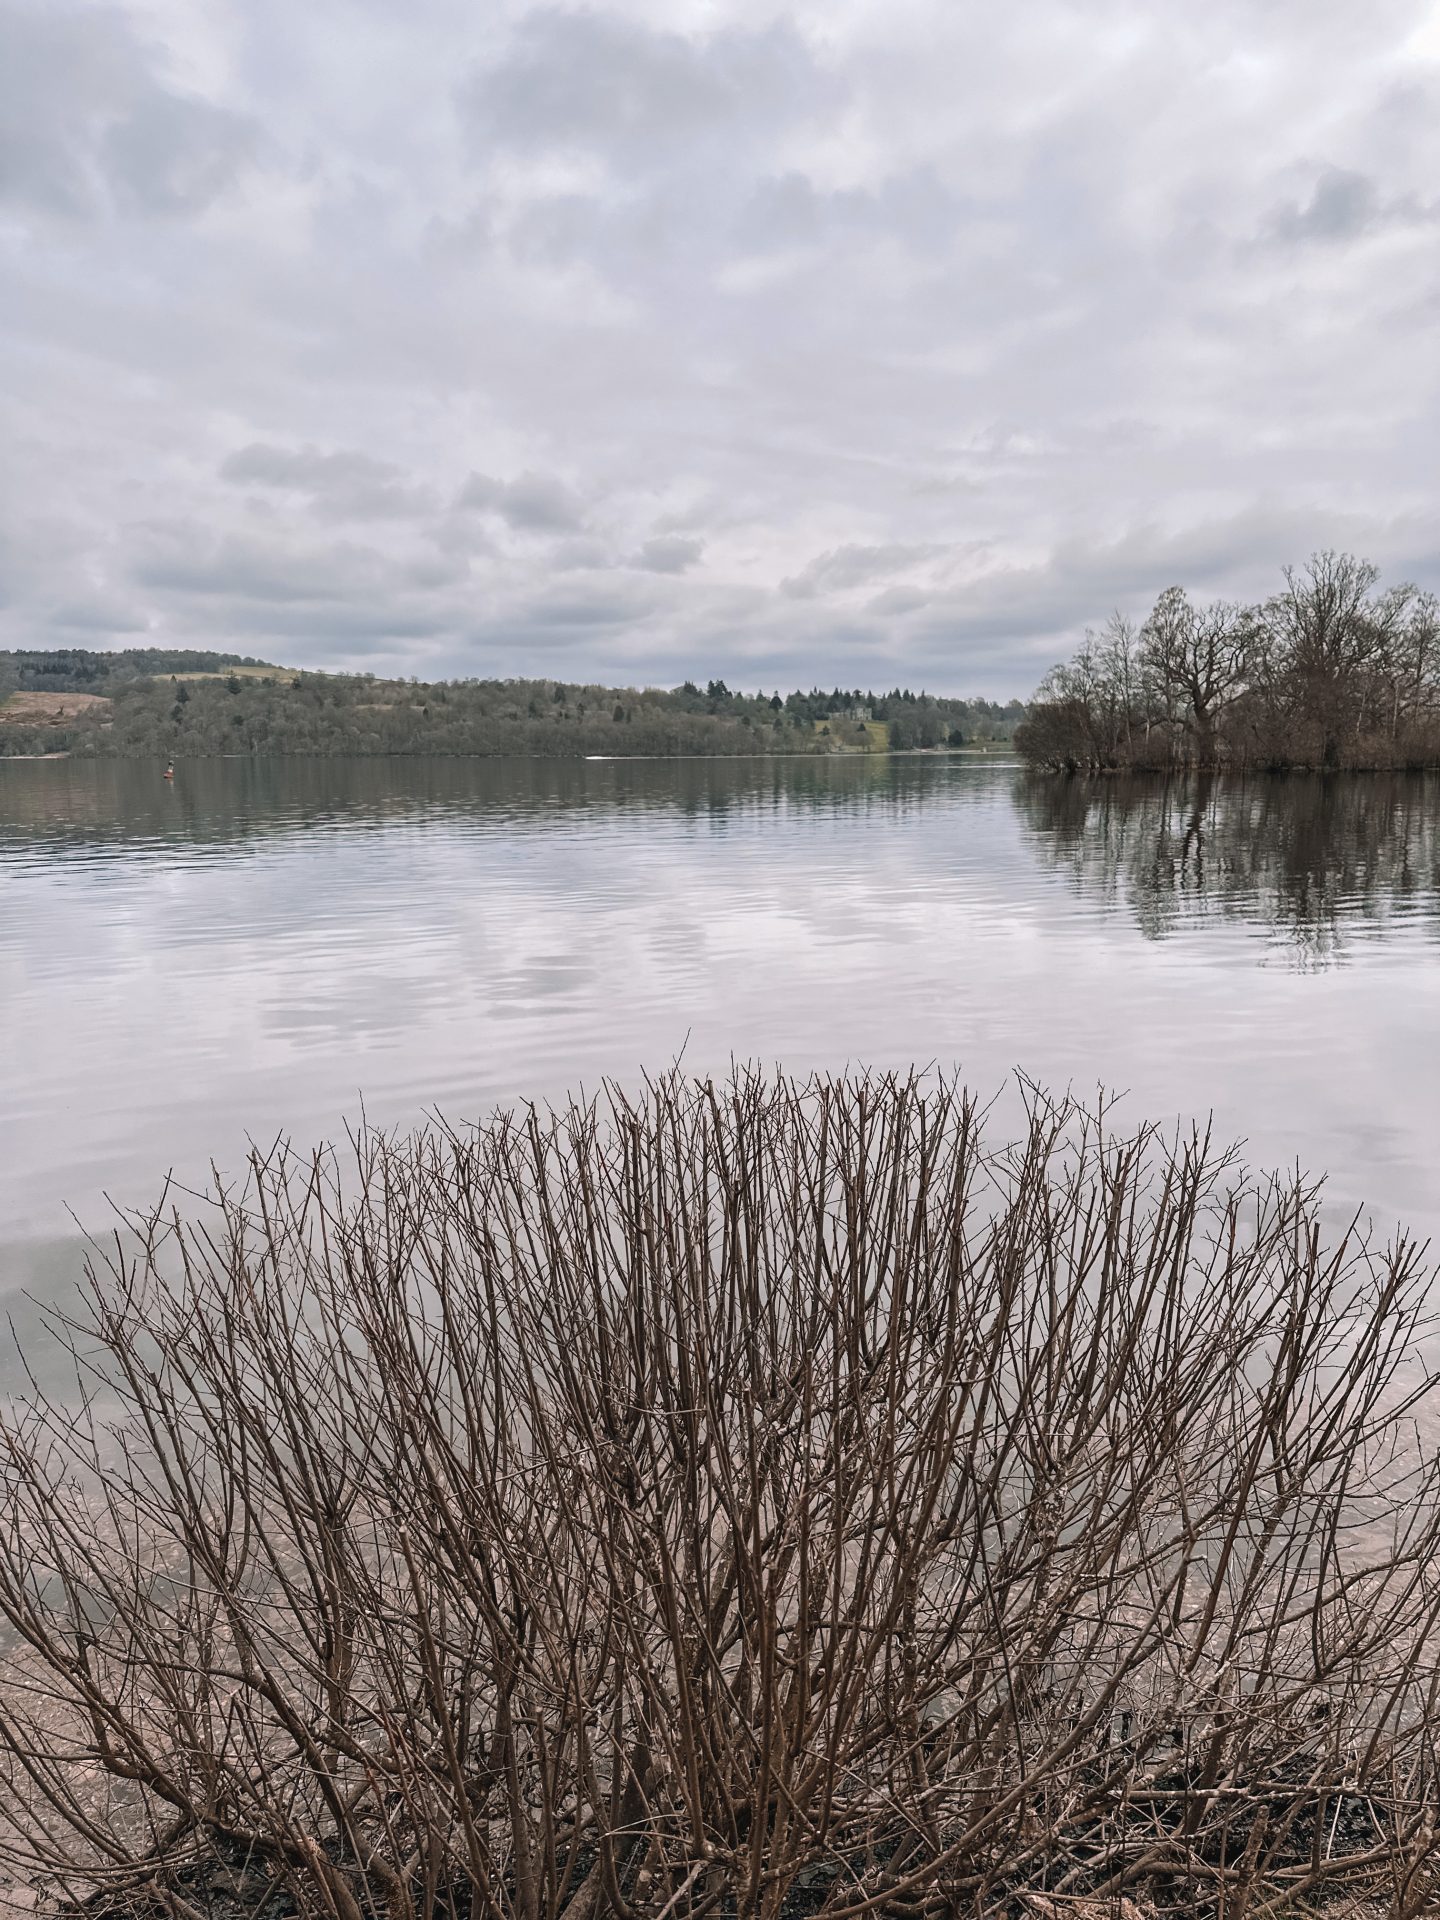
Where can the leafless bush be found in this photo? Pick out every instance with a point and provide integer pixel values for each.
(747, 1500)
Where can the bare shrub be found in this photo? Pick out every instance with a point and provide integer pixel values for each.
(743, 1499)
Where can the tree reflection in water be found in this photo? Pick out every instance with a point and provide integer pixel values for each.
(1315, 861)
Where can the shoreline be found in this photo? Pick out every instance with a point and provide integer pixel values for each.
(1007, 757)
(1245, 770)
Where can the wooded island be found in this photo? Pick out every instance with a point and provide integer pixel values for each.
(1330, 672)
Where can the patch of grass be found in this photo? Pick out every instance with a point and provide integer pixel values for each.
(259, 671)
(853, 736)
(32, 709)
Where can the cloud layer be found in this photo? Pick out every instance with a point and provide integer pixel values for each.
(892, 343)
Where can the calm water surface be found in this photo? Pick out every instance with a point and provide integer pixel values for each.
(258, 948)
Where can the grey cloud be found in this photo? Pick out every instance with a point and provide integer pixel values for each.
(896, 601)
(964, 325)
(97, 616)
(531, 503)
(175, 156)
(712, 217)
(87, 122)
(1031, 614)
(582, 554)
(481, 493)
(1342, 205)
(541, 503)
(429, 571)
(854, 566)
(305, 469)
(183, 560)
(789, 210)
(56, 80)
(1345, 205)
(567, 616)
(342, 485)
(341, 639)
(669, 553)
(590, 81)
(558, 227)
(584, 611)
(339, 630)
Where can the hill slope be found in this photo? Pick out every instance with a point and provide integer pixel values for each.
(147, 702)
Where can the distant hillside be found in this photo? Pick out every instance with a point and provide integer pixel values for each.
(77, 670)
(151, 702)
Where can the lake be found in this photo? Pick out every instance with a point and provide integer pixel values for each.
(261, 946)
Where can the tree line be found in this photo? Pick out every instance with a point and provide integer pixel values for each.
(199, 705)
(82, 670)
(1331, 671)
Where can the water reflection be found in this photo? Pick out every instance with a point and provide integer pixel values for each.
(1314, 863)
(262, 945)
(88, 808)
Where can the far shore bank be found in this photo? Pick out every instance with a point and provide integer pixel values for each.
(1001, 755)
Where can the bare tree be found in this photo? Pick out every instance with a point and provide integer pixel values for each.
(744, 1499)
(1199, 661)
(1101, 692)
(1324, 635)
(1408, 664)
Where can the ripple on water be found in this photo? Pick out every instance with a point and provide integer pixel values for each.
(259, 947)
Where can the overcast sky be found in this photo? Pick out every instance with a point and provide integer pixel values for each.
(871, 342)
